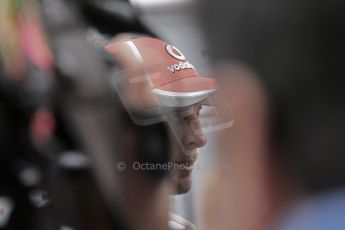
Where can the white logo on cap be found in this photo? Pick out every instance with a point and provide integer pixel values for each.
(174, 52)
(180, 66)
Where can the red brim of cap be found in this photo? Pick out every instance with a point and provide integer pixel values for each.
(185, 92)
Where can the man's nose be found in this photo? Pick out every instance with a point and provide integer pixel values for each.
(194, 137)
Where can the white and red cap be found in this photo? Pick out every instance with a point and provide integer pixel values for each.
(177, 83)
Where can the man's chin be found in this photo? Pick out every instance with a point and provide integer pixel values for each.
(183, 185)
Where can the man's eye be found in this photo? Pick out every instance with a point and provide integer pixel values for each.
(199, 111)
(208, 111)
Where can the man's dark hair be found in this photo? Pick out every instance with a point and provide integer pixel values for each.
(298, 48)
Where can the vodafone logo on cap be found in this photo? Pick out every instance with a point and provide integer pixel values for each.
(175, 53)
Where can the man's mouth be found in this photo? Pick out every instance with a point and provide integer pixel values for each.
(185, 164)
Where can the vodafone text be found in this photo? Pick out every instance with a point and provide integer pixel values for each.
(180, 66)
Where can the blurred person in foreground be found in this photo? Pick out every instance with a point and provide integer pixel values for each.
(281, 65)
(160, 83)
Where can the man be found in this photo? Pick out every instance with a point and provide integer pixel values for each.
(163, 86)
(170, 82)
(281, 64)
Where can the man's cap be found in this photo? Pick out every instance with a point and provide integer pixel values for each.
(174, 80)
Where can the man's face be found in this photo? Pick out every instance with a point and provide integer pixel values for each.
(184, 146)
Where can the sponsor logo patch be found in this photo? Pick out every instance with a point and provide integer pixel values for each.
(180, 66)
(175, 53)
